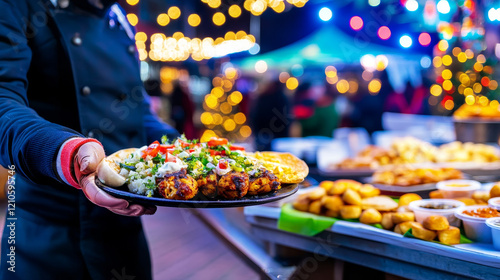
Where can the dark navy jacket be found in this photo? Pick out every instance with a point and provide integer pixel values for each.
(67, 72)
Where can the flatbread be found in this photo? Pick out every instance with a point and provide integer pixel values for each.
(381, 203)
(108, 171)
(287, 167)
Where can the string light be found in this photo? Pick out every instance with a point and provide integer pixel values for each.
(292, 83)
(132, 19)
(174, 12)
(163, 19)
(234, 11)
(219, 18)
(194, 20)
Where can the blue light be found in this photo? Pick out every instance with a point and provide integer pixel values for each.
(325, 14)
(405, 41)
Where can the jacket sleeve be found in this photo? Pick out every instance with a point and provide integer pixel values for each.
(155, 128)
(27, 141)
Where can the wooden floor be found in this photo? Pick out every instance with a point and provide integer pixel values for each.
(190, 252)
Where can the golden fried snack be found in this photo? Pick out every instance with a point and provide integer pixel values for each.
(436, 194)
(351, 197)
(436, 222)
(350, 211)
(370, 216)
(317, 193)
(381, 203)
(399, 217)
(422, 233)
(233, 185)
(333, 203)
(266, 182)
(301, 204)
(368, 191)
(467, 200)
(350, 184)
(287, 167)
(337, 189)
(386, 221)
(208, 184)
(495, 191)
(327, 185)
(449, 236)
(405, 199)
(403, 209)
(332, 213)
(405, 226)
(315, 207)
(179, 186)
(481, 195)
(397, 229)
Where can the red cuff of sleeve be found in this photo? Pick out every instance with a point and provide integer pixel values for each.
(68, 153)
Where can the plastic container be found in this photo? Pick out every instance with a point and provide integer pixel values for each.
(422, 213)
(494, 203)
(494, 224)
(466, 190)
(475, 228)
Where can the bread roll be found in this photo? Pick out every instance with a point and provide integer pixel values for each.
(449, 236)
(337, 189)
(315, 207)
(350, 211)
(301, 204)
(370, 216)
(397, 229)
(317, 193)
(405, 226)
(495, 191)
(436, 222)
(405, 199)
(327, 185)
(350, 184)
(422, 233)
(368, 191)
(436, 194)
(399, 217)
(351, 197)
(386, 221)
(332, 202)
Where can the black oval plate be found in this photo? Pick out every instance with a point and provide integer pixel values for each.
(200, 201)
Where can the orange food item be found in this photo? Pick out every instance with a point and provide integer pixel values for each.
(482, 213)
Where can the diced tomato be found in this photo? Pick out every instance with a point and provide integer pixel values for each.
(222, 164)
(190, 150)
(152, 150)
(214, 141)
(217, 153)
(184, 144)
(166, 148)
(236, 148)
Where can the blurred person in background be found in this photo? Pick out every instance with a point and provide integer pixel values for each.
(182, 110)
(410, 101)
(70, 90)
(314, 108)
(270, 116)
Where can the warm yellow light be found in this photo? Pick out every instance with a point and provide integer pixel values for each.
(132, 2)
(481, 58)
(217, 92)
(194, 20)
(234, 11)
(343, 86)
(436, 90)
(283, 77)
(231, 73)
(217, 82)
(132, 19)
(280, 7)
(219, 18)
(464, 79)
(478, 67)
(447, 60)
(174, 12)
(470, 100)
(462, 57)
(230, 36)
(292, 83)
(258, 7)
(483, 100)
(443, 45)
(469, 53)
(226, 108)
(468, 91)
(461, 89)
(330, 71)
(333, 80)
(227, 86)
(437, 62)
(235, 97)
(477, 87)
(229, 125)
(493, 85)
(206, 118)
(447, 85)
(211, 101)
(449, 104)
(214, 3)
(207, 134)
(245, 131)
(240, 34)
(494, 104)
(446, 74)
(178, 35)
(218, 119)
(163, 19)
(456, 51)
(260, 66)
(141, 36)
(353, 87)
(374, 86)
(240, 118)
(143, 54)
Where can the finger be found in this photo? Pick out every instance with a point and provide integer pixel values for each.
(134, 210)
(150, 210)
(99, 197)
(89, 156)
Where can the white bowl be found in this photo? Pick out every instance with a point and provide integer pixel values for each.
(422, 213)
(494, 202)
(475, 228)
(494, 224)
(453, 192)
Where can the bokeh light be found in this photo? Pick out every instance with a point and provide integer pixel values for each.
(405, 41)
(325, 14)
(292, 83)
(132, 19)
(194, 20)
(424, 39)
(356, 23)
(234, 11)
(219, 18)
(174, 12)
(260, 66)
(384, 33)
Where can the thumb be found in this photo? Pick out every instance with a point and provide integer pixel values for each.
(88, 157)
